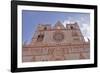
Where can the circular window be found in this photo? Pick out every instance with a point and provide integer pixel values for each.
(58, 36)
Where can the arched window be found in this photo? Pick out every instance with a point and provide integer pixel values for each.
(45, 28)
(40, 37)
(71, 27)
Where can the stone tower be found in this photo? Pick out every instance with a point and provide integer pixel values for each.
(56, 43)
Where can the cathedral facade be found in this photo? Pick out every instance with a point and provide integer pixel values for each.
(56, 43)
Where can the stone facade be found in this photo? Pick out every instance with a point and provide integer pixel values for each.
(56, 43)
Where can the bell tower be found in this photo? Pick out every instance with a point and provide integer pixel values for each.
(75, 32)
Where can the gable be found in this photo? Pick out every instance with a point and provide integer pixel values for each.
(59, 25)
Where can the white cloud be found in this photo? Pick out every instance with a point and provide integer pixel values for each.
(86, 39)
(66, 22)
(85, 30)
(82, 19)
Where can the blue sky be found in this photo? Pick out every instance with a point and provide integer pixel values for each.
(30, 20)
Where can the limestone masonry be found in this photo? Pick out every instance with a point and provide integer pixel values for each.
(55, 43)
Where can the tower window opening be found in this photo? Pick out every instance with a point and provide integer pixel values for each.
(40, 37)
(45, 28)
(71, 27)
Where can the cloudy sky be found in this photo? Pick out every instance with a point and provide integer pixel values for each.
(30, 20)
